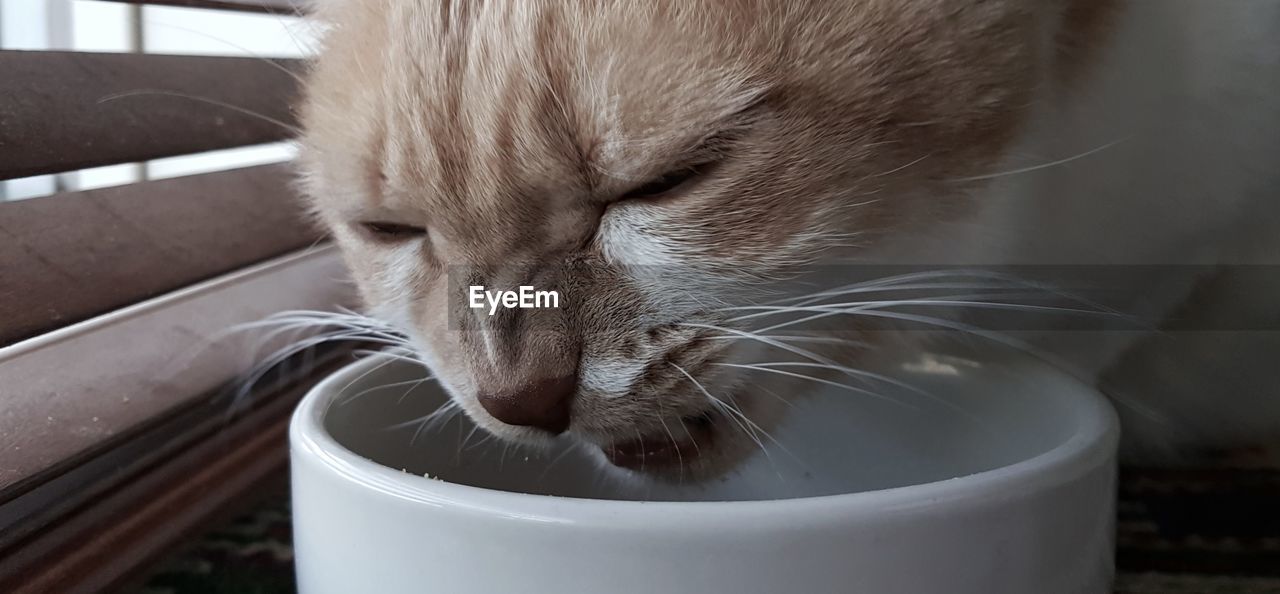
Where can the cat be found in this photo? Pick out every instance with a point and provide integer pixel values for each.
(676, 168)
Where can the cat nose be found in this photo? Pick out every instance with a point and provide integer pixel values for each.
(542, 404)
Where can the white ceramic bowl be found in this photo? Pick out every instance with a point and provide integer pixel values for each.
(1007, 488)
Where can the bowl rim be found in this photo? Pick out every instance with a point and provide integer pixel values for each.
(1092, 446)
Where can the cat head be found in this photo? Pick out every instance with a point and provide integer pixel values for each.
(657, 165)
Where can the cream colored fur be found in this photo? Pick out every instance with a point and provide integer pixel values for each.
(925, 132)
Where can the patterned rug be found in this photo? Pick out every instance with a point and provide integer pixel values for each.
(1212, 531)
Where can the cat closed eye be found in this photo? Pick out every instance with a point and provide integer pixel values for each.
(390, 232)
(662, 186)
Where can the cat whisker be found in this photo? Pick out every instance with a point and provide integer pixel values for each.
(796, 338)
(807, 354)
(415, 386)
(862, 391)
(897, 169)
(971, 330)
(777, 397)
(815, 298)
(462, 446)
(737, 417)
(255, 374)
(561, 456)
(1057, 163)
(730, 413)
(296, 131)
(944, 279)
(853, 308)
(761, 431)
(675, 444)
(413, 383)
(483, 440)
(248, 52)
(336, 327)
(749, 427)
(367, 372)
(826, 363)
(944, 403)
(448, 408)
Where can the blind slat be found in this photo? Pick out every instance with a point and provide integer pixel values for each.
(69, 257)
(275, 6)
(62, 111)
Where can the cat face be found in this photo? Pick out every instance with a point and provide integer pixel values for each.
(655, 163)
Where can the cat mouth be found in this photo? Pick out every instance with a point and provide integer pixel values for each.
(664, 449)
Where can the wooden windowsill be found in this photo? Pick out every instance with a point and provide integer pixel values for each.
(149, 506)
(69, 392)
